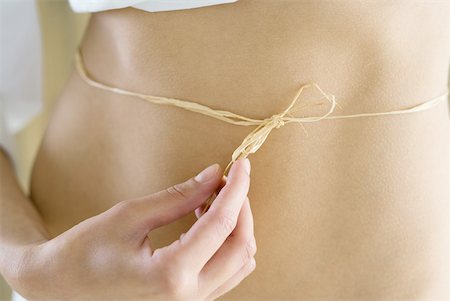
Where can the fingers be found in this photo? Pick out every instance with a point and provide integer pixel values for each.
(209, 232)
(199, 210)
(237, 251)
(240, 275)
(161, 208)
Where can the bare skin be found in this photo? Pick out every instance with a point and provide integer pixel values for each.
(110, 256)
(357, 210)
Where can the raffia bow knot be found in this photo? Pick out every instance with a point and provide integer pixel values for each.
(277, 119)
(256, 138)
(253, 141)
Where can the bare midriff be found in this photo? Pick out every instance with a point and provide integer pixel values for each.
(357, 209)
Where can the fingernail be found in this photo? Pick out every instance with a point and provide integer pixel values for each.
(247, 165)
(207, 174)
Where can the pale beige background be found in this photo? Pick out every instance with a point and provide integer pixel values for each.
(62, 30)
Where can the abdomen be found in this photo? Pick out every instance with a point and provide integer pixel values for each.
(357, 209)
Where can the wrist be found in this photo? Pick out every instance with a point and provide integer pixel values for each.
(17, 265)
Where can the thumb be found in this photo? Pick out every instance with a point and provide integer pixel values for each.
(173, 203)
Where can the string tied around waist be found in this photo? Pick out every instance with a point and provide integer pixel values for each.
(255, 139)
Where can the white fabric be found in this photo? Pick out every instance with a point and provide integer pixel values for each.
(16, 297)
(83, 6)
(20, 70)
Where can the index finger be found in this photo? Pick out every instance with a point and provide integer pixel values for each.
(210, 231)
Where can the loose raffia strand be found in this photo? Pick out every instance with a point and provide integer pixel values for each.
(255, 139)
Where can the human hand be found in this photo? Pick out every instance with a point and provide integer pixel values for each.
(108, 256)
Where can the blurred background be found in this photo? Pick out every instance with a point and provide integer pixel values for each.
(61, 31)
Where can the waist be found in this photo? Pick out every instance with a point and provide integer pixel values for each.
(253, 65)
(351, 187)
(354, 193)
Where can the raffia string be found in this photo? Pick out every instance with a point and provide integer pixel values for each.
(255, 139)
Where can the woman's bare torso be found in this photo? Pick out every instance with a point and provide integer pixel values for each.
(357, 209)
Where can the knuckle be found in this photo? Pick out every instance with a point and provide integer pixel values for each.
(251, 266)
(178, 285)
(125, 206)
(251, 247)
(176, 279)
(248, 250)
(227, 221)
(178, 192)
